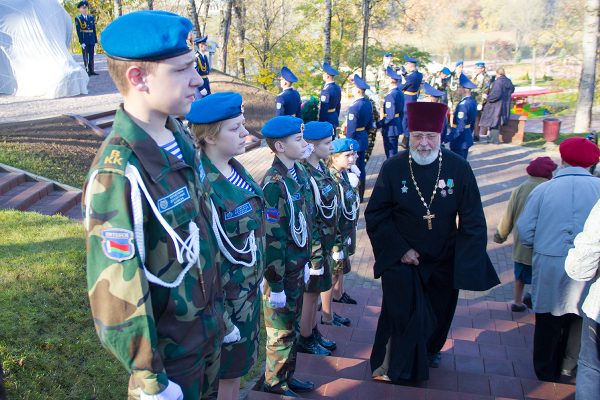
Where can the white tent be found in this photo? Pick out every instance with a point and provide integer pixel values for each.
(34, 51)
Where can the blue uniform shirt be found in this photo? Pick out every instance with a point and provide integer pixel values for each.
(331, 97)
(461, 134)
(393, 107)
(360, 119)
(412, 84)
(288, 103)
(86, 30)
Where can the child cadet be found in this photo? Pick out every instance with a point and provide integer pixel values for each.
(392, 112)
(461, 130)
(331, 97)
(202, 67)
(217, 122)
(151, 256)
(286, 189)
(340, 162)
(324, 226)
(288, 102)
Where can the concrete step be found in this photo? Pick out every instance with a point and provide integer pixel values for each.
(25, 195)
(74, 213)
(58, 202)
(9, 180)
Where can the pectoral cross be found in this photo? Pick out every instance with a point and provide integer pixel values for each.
(429, 217)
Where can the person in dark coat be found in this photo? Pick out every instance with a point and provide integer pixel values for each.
(496, 111)
(392, 113)
(288, 102)
(86, 33)
(422, 255)
(331, 97)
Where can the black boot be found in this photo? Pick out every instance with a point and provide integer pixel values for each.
(311, 346)
(346, 299)
(282, 389)
(434, 359)
(300, 386)
(323, 341)
(341, 320)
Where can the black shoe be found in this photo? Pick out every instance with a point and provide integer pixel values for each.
(310, 345)
(434, 359)
(527, 300)
(341, 320)
(333, 322)
(518, 307)
(324, 342)
(300, 386)
(476, 138)
(345, 299)
(282, 389)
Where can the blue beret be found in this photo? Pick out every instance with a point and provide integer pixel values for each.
(343, 144)
(409, 59)
(460, 62)
(446, 71)
(314, 130)
(146, 36)
(392, 74)
(216, 107)
(480, 64)
(430, 90)
(202, 39)
(388, 55)
(288, 75)
(282, 126)
(83, 3)
(465, 82)
(329, 70)
(359, 83)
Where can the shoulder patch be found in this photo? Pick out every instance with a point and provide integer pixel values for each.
(117, 244)
(278, 105)
(460, 114)
(114, 157)
(350, 117)
(388, 104)
(323, 98)
(272, 214)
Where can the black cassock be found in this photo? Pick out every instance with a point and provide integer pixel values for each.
(419, 301)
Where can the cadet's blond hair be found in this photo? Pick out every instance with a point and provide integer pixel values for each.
(202, 132)
(118, 69)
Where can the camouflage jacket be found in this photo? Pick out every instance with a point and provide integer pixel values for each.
(454, 96)
(144, 324)
(483, 86)
(323, 229)
(347, 196)
(283, 257)
(240, 212)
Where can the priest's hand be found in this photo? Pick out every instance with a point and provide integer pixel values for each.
(411, 257)
(498, 238)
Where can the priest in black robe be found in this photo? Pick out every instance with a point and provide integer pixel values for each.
(426, 225)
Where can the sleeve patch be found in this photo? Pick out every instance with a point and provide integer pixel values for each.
(323, 98)
(272, 214)
(388, 104)
(278, 106)
(461, 114)
(117, 244)
(350, 117)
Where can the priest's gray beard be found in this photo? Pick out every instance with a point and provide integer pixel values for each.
(429, 157)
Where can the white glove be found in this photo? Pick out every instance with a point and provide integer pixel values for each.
(355, 169)
(338, 255)
(317, 272)
(83, 45)
(262, 285)
(349, 241)
(277, 299)
(479, 107)
(172, 392)
(306, 273)
(354, 180)
(232, 337)
(308, 151)
(203, 92)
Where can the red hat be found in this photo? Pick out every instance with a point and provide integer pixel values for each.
(426, 117)
(579, 152)
(541, 167)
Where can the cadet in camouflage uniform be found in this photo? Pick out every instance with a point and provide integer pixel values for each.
(285, 188)
(480, 94)
(454, 96)
(324, 195)
(218, 127)
(152, 272)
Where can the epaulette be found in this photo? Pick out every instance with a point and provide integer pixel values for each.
(113, 158)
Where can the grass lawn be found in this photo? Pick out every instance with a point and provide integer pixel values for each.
(536, 140)
(48, 345)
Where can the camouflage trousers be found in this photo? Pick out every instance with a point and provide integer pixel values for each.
(197, 373)
(321, 283)
(238, 358)
(282, 326)
(342, 266)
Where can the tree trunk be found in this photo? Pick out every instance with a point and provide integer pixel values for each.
(327, 32)
(533, 64)
(365, 42)
(239, 14)
(225, 28)
(206, 5)
(150, 4)
(591, 26)
(118, 6)
(193, 15)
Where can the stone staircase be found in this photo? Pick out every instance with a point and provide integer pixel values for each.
(22, 191)
(488, 355)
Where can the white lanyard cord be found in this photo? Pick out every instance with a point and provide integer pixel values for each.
(249, 244)
(331, 209)
(349, 214)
